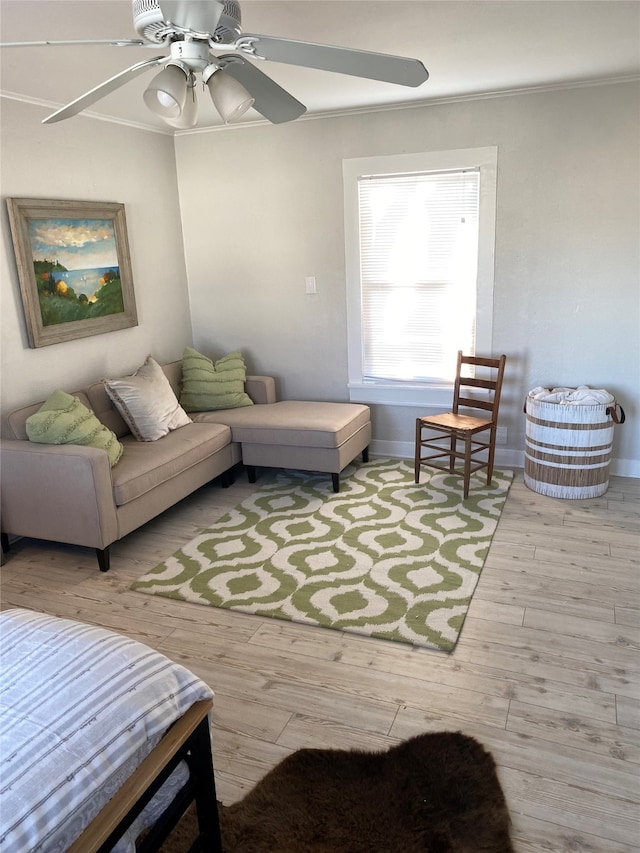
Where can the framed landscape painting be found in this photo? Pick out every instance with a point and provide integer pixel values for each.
(74, 268)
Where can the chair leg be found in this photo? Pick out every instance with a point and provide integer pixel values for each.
(335, 481)
(452, 453)
(492, 453)
(416, 462)
(467, 464)
(365, 455)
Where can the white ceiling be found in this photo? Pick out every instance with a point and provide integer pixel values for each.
(470, 47)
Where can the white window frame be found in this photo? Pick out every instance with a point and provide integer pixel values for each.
(486, 161)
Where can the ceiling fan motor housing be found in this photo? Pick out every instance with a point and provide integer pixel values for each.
(150, 25)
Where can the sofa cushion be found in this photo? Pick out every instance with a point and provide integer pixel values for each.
(292, 422)
(147, 402)
(207, 386)
(64, 419)
(106, 411)
(173, 371)
(145, 465)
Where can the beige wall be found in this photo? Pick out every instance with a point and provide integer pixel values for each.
(262, 208)
(88, 159)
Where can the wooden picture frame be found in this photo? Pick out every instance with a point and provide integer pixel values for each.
(74, 268)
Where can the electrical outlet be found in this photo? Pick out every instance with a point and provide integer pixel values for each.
(501, 435)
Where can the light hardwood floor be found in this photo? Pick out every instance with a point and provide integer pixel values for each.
(545, 674)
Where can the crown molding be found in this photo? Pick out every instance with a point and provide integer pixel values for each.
(407, 105)
(51, 107)
(427, 102)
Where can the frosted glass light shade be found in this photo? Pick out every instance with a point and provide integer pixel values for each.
(166, 94)
(189, 115)
(229, 96)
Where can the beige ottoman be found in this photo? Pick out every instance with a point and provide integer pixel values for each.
(307, 436)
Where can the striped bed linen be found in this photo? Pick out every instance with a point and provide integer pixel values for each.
(80, 707)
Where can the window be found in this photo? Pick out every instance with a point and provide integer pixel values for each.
(420, 245)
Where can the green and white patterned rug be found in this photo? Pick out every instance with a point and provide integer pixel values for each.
(383, 557)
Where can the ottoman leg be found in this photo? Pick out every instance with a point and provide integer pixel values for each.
(251, 473)
(365, 455)
(335, 479)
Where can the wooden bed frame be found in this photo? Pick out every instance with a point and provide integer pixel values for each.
(188, 740)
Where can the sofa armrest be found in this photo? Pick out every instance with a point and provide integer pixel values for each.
(261, 389)
(62, 493)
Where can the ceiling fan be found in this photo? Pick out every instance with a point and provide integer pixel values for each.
(194, 31)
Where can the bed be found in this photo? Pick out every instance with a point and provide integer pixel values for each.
(100, 737)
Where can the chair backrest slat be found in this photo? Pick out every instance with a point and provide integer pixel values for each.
(473, 382)
(474, 403)
(482, 361)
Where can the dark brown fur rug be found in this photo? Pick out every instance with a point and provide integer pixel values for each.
(435, 793)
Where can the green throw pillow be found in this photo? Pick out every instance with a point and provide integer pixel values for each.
(63, 419)
(207, 386)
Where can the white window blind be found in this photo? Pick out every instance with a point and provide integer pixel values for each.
(418, 273)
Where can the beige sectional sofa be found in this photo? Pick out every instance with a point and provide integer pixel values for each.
(69, 493)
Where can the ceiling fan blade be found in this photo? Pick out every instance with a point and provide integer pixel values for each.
(200, 16)
(112, 42)
(357, 63)
(103, 89)
(271, 100)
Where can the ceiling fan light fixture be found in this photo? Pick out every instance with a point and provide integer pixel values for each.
(166, 95)
(192, 31)
(229, 97)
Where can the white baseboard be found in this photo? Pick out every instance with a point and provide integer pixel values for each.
(505, 457)
(625, 467)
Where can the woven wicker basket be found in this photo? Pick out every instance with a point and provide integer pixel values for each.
(568, 448)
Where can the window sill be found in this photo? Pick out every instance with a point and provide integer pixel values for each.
(401, 395)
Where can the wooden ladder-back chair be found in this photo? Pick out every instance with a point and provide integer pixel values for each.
(442, 432)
